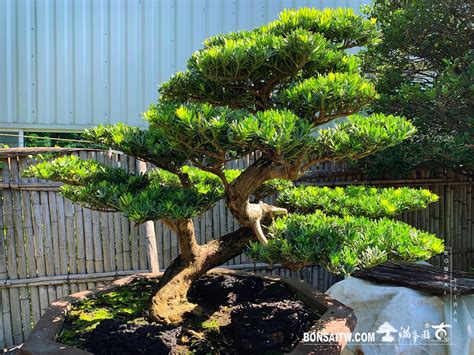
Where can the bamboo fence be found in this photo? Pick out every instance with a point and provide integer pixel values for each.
(50, 247)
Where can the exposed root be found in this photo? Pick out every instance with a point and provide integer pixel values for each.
(257, 212)
(257, 230)
(170, 311)
(194, 333)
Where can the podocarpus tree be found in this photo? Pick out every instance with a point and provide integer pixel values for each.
(263, 90)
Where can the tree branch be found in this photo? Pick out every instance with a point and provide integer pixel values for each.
(238, 192)
(184, 229)
(323, 118)
(257, 212)
(216, 170)
(265, 91)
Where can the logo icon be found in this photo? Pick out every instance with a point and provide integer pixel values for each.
(441, 332)
(386, 328)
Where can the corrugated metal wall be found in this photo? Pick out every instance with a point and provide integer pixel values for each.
(67, 65)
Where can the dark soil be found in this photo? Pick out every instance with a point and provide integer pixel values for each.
(237, 314)
(118, 337)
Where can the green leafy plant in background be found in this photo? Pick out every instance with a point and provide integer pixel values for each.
(269, 89)
(423, 68)
(56, 139)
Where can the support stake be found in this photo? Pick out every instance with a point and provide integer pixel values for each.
(151, 248)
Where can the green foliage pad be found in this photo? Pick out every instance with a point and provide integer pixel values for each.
(355, 200)
(343, 244)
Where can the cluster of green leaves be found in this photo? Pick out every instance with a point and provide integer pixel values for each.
(331, 95)
(281, 135)
(190, 86)
(423, 69)
(346, 229)
(169, 199)
(76, 171)
(199, 132)
(208, 135)
(150, 144)
(168, 202)
(359, 136)
(322, 58)
(246, 69)
(257, 56)
(154, 195)
(343, 244)
(342, 27)
(355, 200)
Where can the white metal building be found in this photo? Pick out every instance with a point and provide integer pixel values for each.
(70, 64)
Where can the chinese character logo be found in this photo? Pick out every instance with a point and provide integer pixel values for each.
(441, 332)
(386, 328)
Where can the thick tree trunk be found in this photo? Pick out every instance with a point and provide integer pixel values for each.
(169, 303)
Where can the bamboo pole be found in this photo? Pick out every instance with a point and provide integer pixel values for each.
(39, 250)
(21, 256)
(29, 243)
(12, 223)
(6, 338)
(110, 222)
(36, 281)
(174, 250)
(53, 215)
(152, 252)
(230, 228)
(202, 233)
(134, 252)
(143, 260)
(45, 280)
(47, 242)
(63, 259)
(125, 224)
(81, 235)
(71, 240)
(159, 233)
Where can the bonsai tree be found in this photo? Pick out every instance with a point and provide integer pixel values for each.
(423, 69)
(266, 90)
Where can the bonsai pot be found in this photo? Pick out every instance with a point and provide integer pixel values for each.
(335, 317)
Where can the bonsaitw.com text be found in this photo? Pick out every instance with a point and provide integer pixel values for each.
(317, 337)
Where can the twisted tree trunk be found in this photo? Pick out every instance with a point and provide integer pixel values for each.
(169, 302)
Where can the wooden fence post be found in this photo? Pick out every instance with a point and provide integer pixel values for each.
(151, 249)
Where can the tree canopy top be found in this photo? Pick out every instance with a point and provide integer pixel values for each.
(264, 90)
